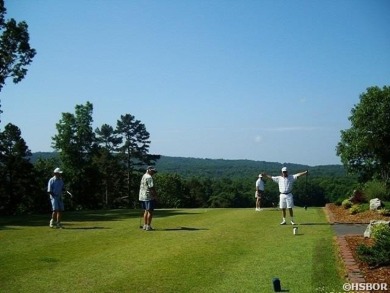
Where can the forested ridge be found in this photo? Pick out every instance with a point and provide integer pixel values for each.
(195, 182)
(220, 168)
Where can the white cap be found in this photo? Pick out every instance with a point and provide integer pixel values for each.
(260, 175)
(57, 170)
(284, 169)
(151, 168)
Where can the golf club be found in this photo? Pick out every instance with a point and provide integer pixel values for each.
(71, 195)
(140, 219)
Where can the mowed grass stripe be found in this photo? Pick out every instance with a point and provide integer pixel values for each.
(199, 250)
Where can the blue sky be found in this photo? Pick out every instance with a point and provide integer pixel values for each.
(261, 80)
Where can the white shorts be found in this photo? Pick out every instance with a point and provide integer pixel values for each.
(286, 201)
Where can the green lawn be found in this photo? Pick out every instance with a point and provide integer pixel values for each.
(192, 250)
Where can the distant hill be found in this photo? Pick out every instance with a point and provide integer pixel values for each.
(188, 167)
(218, 168)
(42, 155)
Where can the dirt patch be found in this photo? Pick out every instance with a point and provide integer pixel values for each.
(340, 215)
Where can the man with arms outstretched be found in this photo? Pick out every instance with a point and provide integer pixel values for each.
(286, 200)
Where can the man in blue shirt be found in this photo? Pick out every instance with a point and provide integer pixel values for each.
(55, 188)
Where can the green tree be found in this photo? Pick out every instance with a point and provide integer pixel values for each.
(170, 190)
(43, 169)
(134, 151)
(108, 164)
(16, 172)
(194, 196)
(75, 142)
(15, 50)
(364, 147)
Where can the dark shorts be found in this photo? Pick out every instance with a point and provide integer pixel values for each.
(259, 194)
(148, 205)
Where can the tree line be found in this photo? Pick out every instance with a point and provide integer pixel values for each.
(103, 167)
(176, 191)
(100, 166)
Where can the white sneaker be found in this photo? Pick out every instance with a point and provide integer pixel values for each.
(144, 227)
(292, 223)
(51, 225)
(257, 209)
(149, 228)
(59, 226)
(283, 222)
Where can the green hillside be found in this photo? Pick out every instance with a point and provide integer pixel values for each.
(217, 168)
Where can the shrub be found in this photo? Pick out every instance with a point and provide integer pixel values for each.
(355, 209)
(376, 189)
(385, 212)
(338, 202)
(378, 230)
(378, 254)
(358, 197)
(346, 204)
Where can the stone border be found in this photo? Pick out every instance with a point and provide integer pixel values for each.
(353, 273)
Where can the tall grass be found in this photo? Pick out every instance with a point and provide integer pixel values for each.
(194, 250)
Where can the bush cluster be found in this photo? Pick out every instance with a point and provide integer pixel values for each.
(346, 204)
(385, 212)
(355, 209)
(378, 254)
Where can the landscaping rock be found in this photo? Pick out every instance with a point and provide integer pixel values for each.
(368, 231)
(375, 204)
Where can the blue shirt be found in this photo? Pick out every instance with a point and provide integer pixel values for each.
(55, 186)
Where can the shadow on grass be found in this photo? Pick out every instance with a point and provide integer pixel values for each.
(182, 229)
(70, 226)
(86, 228)
(315, 224)
(84, 216)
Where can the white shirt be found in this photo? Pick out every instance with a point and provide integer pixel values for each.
(285, 183)
(259, 184)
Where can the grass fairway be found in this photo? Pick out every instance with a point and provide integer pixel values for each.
(192, 250)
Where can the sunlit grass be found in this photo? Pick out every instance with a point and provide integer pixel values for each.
(194, 250)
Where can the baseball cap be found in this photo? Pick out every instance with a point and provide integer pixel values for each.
(151, 168)
(260, 175)
(57, 170)
(284, 169)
